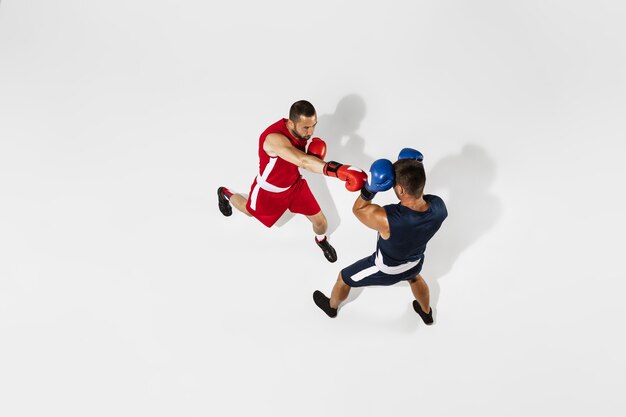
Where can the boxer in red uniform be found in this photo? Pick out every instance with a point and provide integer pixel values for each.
(279, 186)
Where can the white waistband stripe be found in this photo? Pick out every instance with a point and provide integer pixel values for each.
(380, 266)
(393, 270)
(269, 187)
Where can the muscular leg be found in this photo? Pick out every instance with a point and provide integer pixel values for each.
(239, 202)
(340, 292)
(421, 292)
(320, 225)
(421, 304)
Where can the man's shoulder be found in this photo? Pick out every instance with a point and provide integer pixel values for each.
(391, 209)
(437, 204)
(277, 128)
(280, 124)
(433, 199)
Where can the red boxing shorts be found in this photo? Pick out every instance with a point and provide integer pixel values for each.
(268, 206)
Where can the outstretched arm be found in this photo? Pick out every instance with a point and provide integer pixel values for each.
(278, 145)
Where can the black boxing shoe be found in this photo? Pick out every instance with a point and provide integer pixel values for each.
(329, 251)
(427, 318)
(324, 304)
(223, 203)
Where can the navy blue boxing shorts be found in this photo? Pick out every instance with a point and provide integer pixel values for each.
(372, 271)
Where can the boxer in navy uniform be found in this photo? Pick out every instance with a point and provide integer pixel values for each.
(403, 229)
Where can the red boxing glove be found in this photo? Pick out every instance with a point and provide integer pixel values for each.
(353, 176)
(317, 148)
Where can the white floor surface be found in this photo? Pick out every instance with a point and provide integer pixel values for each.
(124, 291)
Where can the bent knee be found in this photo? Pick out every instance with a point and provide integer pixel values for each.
(416, 279)
(319, 220)
(322, 224)
(341, 281)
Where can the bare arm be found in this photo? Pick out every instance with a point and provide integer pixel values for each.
(372, 215)
(278, 145)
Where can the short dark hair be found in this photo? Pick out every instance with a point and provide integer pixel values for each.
(410, 174)
(299, 109)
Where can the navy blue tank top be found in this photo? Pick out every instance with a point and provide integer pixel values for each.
(410, 230)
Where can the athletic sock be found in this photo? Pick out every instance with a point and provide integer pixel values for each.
(227, 193)
(320, 238)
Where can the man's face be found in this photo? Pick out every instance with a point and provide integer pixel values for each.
(303, 129)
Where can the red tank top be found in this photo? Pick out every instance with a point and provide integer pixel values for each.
(275, 170)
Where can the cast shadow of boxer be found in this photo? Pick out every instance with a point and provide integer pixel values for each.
(463, 180)
(344, 145)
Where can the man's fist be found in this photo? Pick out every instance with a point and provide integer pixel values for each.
(381, 178)
(353, 176)
(409, 153)
(317, 148)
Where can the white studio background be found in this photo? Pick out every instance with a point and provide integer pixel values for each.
(124, 291)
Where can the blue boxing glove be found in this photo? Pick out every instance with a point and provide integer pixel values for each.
(409, 153)
(381, 178)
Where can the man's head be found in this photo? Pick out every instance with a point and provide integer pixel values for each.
(302, 120)
(410, 178)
